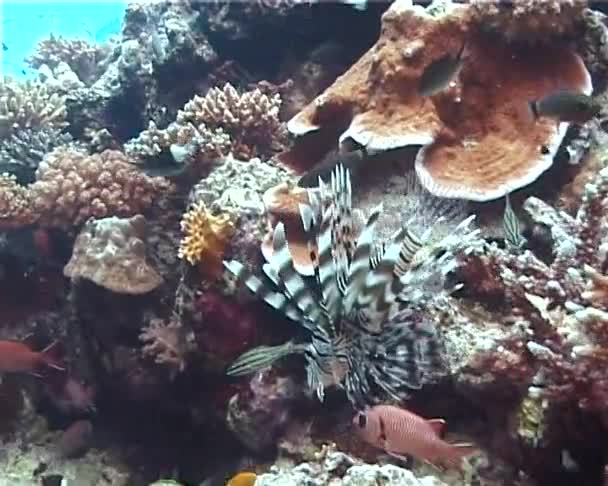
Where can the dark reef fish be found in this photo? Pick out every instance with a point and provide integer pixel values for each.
(437, 75)
(399, 431)
(366, 320)
(566, 106)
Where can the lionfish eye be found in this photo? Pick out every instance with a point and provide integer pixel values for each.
(362, 420)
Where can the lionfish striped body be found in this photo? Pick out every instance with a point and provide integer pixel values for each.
(364, 312)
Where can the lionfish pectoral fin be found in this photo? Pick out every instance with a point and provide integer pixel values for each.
(258, 358)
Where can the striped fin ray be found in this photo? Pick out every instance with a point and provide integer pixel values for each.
(296, 289)
(360, 265)
(326, 271)
(410, 245)
(376, 256)
(377, 289)
(262, 357)
(342, 224)
(264, 292)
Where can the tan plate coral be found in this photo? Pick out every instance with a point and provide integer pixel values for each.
(480, 139)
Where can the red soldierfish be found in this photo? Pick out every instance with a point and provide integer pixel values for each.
(400, 432)
(18, 357)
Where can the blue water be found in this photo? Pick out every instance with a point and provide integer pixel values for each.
(25, 22)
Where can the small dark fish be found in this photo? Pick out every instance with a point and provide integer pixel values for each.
(4, 47)
(566, 106)
(439, 73)
(511, 226)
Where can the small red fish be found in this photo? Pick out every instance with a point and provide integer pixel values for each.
(399, 431)
(18, 357)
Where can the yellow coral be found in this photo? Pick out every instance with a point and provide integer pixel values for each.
(205, 237)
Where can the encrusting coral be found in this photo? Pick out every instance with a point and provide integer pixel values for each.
(205, 237)
(207, 127)
(111, 253)
(480, 140)
(370, 331)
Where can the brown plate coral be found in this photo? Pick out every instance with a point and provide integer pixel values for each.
(480, 139)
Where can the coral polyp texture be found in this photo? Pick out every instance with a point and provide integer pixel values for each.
(480, 139)
(15, 207)
(111, 253)
(72, 186)
(205, 237)
(531, 20)
(368, 316)
(222, 121)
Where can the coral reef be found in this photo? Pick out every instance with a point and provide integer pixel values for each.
(333, 467)
(207, 127)
(82, 57)
(72, 186)
(111, 252)
(205, 238)
(29, 105)
(168, 343)
(530, 21)
(480, 141)
(15, 204)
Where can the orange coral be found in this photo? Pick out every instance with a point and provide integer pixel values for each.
(282, 203)
(481, 140)
(205, 238)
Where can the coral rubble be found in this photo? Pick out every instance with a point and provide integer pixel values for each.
(480, 140)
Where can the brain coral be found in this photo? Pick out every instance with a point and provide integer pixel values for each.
(480, 139)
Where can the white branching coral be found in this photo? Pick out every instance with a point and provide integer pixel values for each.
(368, 315)
(29, 105)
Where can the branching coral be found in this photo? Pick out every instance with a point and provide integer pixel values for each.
(111, 252)
(72, 186)
(26, 148)
(251, 118)
(480, 140)
(80, 55)
(15, 207)
(222, 121)
(29, 105)
(367, 315)
(205, 237)
(561, 354)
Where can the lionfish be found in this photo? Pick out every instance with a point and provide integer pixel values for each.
(363, 312)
